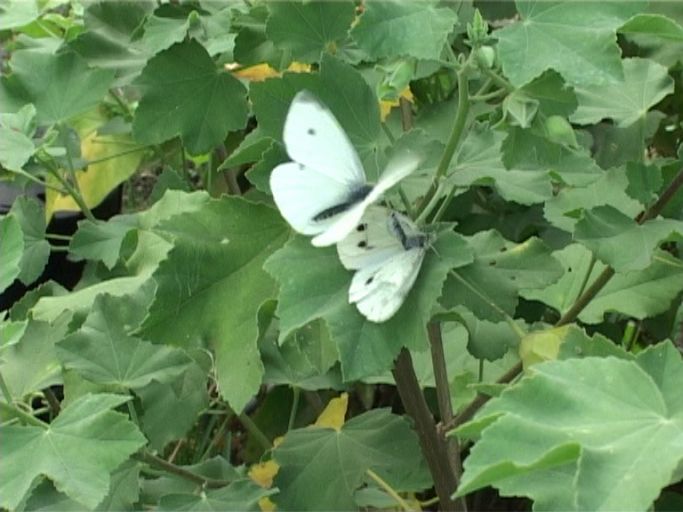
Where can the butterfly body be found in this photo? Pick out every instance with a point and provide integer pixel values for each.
(386, 250)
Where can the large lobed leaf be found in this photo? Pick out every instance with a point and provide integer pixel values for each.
(394, 29)
(184, 95)
(78, 451)
(309, 29)
(102, 351)
(321, 468)
(552, 444)
(580, 44)
(211, 286)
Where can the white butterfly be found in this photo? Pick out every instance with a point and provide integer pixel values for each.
(324, 191)
(387, 250)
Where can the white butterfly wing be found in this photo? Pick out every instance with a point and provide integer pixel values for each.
(314, 138)
(370, 242)
(398, 168)
(301, 193)
(379, 291)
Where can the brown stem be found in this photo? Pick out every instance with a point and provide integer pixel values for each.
(443, 394)
(433, 446)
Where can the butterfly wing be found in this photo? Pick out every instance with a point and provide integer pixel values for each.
(301, 193)
(370, 242)
(398, 168)
(379, 291)
(314, 138)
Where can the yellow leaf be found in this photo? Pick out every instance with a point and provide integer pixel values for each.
(385, 106)
(122, 156)
(266, 505)
(264, 472)
(260, 72)
(540, 346)
(334, 413)
(257, 73)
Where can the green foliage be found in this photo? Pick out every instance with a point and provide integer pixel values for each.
(323, 467)
(190, 366)
(546, 431)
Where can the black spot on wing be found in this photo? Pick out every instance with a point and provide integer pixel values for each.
(354, 197)
(369, 280)
(361, 227)
(362, 244)
(310, 131)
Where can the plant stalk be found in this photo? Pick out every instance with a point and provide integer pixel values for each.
(433, 446)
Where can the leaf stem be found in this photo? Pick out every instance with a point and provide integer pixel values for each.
(296, 394)
(497, 79)
(52, 401)
(586, 277)
(388, 489)
(510, 321)
(253, 430)
(24, 417)
(433, 446)
(453, 139)
(152, 460)
(74, 193)
(117, 155)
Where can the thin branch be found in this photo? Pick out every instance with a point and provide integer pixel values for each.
(453, 139)
(388, 489)
(158, 462)
(433, 446)
(253, 430)
(24, 417)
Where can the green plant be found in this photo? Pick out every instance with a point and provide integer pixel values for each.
(202, 328)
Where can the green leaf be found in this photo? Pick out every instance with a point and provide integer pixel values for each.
(252, 46)
(184, 95)
(528, 151)
(609, 190)
(211, 286)
(563, 451)
(654, 25)
(644, 85)
(170, 409)
(78, 451)
(102, 241)
(309, 29)
(478, 161)
(396, 29)
(16, 13)
(313, 284)
(553, 95)
(576, 262)
(31, 216)
(259, 174)
(639, 294)
(644, 181)
(580, 44)
(241, 494)
(109, 42)
(11, 250)
(321, 468)
(250, 150)
(60, 86)
(102, 351)
(339, 86)
(16, 132)
(31, 364)
(489, 286)
(163, 32)
(620, 241)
